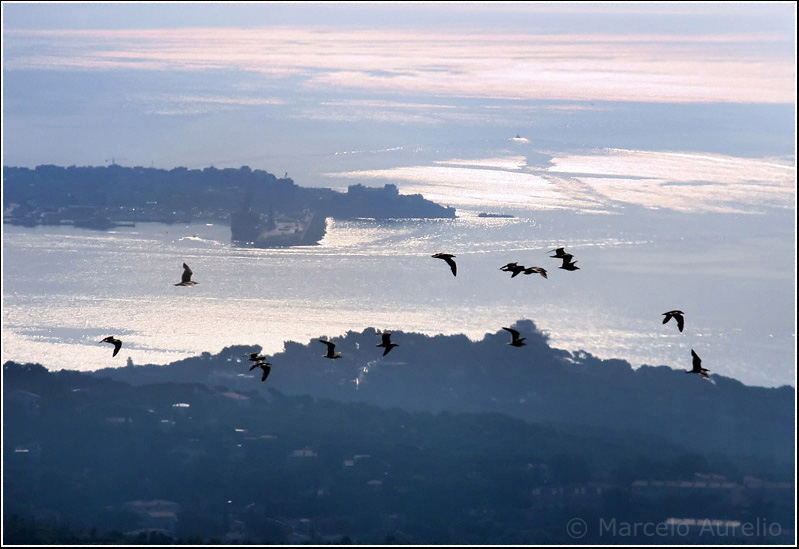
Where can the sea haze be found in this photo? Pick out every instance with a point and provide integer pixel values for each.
(66, 288)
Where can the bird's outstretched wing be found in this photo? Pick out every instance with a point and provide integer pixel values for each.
(115, 342)
(697, 362)
(266, 368)
(536, 270)
(680, 322)
(451, 262)
(513, 333)
(187, 272)
(330, 346)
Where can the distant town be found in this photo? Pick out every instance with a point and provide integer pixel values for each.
(261, 209)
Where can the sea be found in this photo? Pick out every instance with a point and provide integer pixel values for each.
(65, 289)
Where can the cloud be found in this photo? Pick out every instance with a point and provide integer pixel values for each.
(187, 104)
(747, 68)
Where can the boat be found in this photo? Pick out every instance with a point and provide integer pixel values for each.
(484, 214)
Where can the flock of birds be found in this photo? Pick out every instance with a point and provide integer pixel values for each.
(569, 264)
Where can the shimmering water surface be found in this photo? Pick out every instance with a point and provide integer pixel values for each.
(65, 289)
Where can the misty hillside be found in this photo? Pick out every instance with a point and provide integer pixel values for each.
(92, 460)
(535, 383)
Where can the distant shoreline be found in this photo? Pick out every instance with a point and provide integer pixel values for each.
(262, 210)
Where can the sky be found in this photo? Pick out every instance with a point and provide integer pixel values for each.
(230, 84)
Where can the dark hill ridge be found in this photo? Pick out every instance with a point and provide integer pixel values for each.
(535, 383)
(91, 454)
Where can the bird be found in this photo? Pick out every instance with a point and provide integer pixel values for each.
(387, 343)
(255, 357)
(558, 253)
(117, 343)
(568, 263)
(509, 267)
(537, 270)
(186, 279)
(265, 366)
(676, 315)
(516, 341)
(516, 269)
(330, 349)
(450, 262)
(698, 366)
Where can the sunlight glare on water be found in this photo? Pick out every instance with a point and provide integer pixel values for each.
(66, 289)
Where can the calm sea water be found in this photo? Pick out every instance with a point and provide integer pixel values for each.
(64, 289)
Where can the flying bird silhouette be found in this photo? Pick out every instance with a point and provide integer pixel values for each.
(330, 349)
(258, 363)
(186, 278)
(697, 369)
(558, 253)
(449, 260)
(265, 366)
(255, 357)
(509, 267)
(516, 269)
(537, 270)
(516, 341)
(676, 315)
(568, 263)
(117, 343)
(386, 343)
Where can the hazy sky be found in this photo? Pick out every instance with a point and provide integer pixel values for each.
(199, 84)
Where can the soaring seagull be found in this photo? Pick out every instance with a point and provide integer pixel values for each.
(186, 279)
(698, 367)
(676, 315)
(450, 262)
(516, 341)
(117, 344)
(387, 344)
(330, 349)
